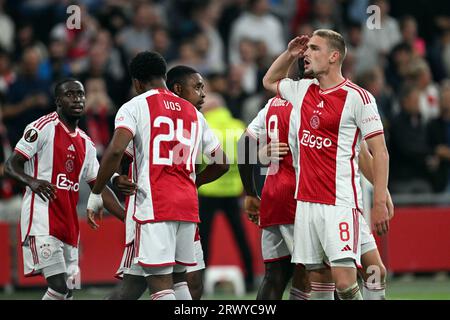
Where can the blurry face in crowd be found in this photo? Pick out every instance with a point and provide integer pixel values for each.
(193, 90)
(71, 99)
(31, 59)
(411, 102)
(409, 30)
(260, 7)
(247, 49)
(317, 57)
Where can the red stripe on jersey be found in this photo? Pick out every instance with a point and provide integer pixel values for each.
(353, 168)
(355, 230)
(69, 153)
(197, 234)
(276, 259)
(45, 118)
(341, 84)
(366, 95)
(137, 240)
(22, 153)
(151, 265)
(46, 121)
(126, 128)
(373, 134)
(32, 196)
(186, 263)
(362, 94)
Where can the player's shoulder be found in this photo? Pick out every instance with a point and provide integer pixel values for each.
(358, 93)
(44, 122)
(278, 101)
(84, 135)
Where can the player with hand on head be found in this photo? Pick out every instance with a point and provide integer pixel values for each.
(51, 160)
(331, 117)
(168, 134)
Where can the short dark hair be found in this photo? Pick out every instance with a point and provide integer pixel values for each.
(178, 74)
(58, 85)
(148, 65)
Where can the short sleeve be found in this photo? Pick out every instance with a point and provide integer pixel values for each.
(257, 127)
(293, 90)
(32, 140)
(126, 118)
(91, 166)
(368, 119)
(210, 142)
(129, 150)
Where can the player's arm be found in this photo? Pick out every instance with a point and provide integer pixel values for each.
(121, 181)
(109, 164)
(112, 204)
(247, 146)
(14, 168)
(280, 67)
(379, 216)
(366, 167)
(214, 170)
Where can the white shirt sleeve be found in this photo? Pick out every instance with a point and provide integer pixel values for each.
(257, 127)
(126, 118)
(367, 118)
(210, 142)
(32, 140)
(293, 90)
(129, 151)
(92, 165)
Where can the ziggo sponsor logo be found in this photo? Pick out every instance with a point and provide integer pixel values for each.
(310, 140)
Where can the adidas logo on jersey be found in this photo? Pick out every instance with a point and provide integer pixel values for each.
(71, 148)
(320, 105)
(347, 248)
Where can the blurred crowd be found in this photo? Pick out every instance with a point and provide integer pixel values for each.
(404, 64)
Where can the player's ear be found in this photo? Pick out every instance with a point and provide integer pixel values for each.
(334, 56)
(137, 85)
(177, 88)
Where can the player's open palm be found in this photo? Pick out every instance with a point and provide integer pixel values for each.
(298, 46)
(380, 219)
(125, 185)
(44, 189)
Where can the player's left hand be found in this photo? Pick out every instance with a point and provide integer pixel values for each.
(94, 205)
(251, 207)
(390, 205)
(380, 219)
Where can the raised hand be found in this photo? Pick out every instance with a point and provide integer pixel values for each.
(298, 46)
(44, 189)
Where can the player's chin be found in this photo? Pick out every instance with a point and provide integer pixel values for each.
(308, 72)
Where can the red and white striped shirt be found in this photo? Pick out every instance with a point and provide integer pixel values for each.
(327, 129)
(277, 199)
(63, 158)
(168, 135)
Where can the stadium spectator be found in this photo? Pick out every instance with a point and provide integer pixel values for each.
(398, 66)
(100, 113)
(408, 29)
(438, 55)
(365, 57)
(382, 40)
(8, 29)
(419, 75)
(258, 24)
(325, 15)
(28, 96)
(138, 36)
(56, 66)
(438, 133)
(163, 43)
(409, 150)
(7, 74)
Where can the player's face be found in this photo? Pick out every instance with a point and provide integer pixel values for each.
(317, 57)
(72, 99)
(194, 90)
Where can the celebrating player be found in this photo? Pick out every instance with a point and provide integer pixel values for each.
(331, 117)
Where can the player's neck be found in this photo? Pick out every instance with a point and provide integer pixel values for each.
(71, 124)
(330, 80)
(155, 84)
